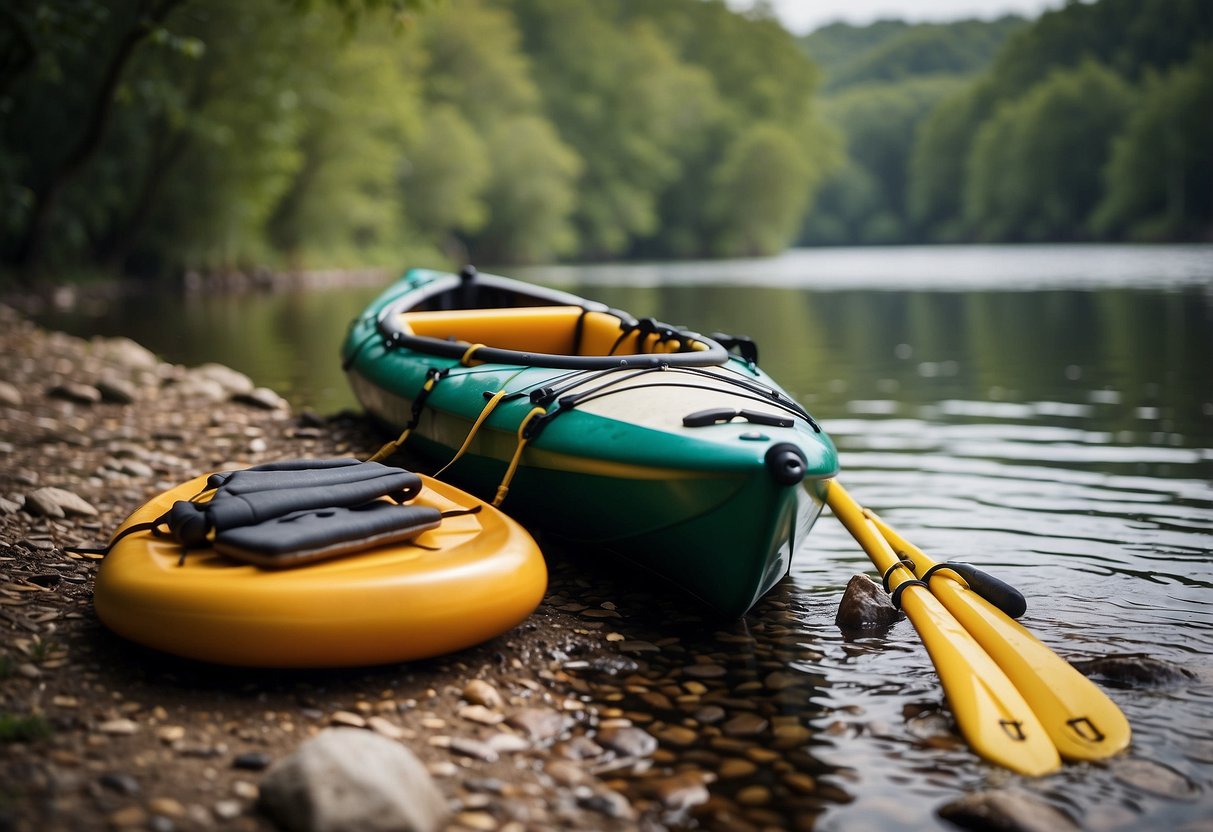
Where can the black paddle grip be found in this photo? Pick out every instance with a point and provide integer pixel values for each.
(998, 592)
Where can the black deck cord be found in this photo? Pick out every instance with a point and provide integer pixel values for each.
(770, 394)
(580, 398)
(545, 395)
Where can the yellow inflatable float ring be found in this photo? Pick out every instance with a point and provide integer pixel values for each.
(473, 577)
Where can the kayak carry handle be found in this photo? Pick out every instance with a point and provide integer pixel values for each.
(995, 590)
(716, 415)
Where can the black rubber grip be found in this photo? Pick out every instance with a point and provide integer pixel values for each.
(998, 592)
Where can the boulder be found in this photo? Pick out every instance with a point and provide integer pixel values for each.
(349, 780)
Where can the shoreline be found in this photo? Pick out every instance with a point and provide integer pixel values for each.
(101, 734)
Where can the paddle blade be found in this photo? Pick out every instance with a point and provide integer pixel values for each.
(991, 714)
(1080, 719)
(993, 717)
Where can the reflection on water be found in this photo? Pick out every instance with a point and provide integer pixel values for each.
(1062, 437)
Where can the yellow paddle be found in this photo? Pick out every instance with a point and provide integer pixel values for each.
(992, 715)
(1081, 720)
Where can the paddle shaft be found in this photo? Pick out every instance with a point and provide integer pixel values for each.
(1080, 719)
(990, 712)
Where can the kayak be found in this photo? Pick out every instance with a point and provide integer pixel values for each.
(473, 577)
(671, 449)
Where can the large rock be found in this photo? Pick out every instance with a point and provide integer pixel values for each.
(865, 605)
(1135, 670)
(1000, 810)
(349, 780)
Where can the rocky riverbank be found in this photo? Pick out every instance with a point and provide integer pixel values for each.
(611, 707)
(576, 719)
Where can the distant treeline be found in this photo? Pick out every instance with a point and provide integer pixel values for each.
(160, 135)
(1094, 122)
(155, 136)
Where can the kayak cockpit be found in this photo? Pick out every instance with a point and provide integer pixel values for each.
(536, 328)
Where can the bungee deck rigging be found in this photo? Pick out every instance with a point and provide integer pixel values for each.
(577, 412)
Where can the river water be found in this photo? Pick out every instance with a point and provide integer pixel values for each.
(1046, 412)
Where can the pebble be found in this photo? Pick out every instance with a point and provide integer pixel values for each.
(677, 735)
(754, 796)
(627, 741)
(347, 718)
(479, 821)
(123, 784)
(481, 714)
(733, 767)
(252, 761)
(704, 671)
(57, 502)
(476, 749)
(167, 806)
(169, 734)
(262, 397)
(75, 392)
(607, 802)
(118, 727)
(385, 728)
(128, 816)
(567, 773)
(744, 725)
(682, 791)
(117, 390)
(539, 724)
(228, 809)
(480, 692)
(504, 743)
(10, 396)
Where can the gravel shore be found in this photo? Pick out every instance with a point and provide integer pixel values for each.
(609, 708)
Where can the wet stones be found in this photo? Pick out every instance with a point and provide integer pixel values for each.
(345, 779)
(1155, 779)
(480, 692)
(75, 392)
(627, 740)
(865, 605)
(10, 395)
(538, 724)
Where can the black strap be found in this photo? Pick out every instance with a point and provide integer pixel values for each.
(896, 596)
(888, 573)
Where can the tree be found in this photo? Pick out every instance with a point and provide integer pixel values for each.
(1159, 181)
(759, 193)
(1035, 171)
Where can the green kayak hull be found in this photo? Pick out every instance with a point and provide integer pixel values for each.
(718, 504)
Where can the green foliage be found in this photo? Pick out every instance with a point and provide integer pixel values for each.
(166, 135)
(894, 51)
(1035, 170)
(23, 728)
(1128, 38)
(759, 192)
(1160, 178)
